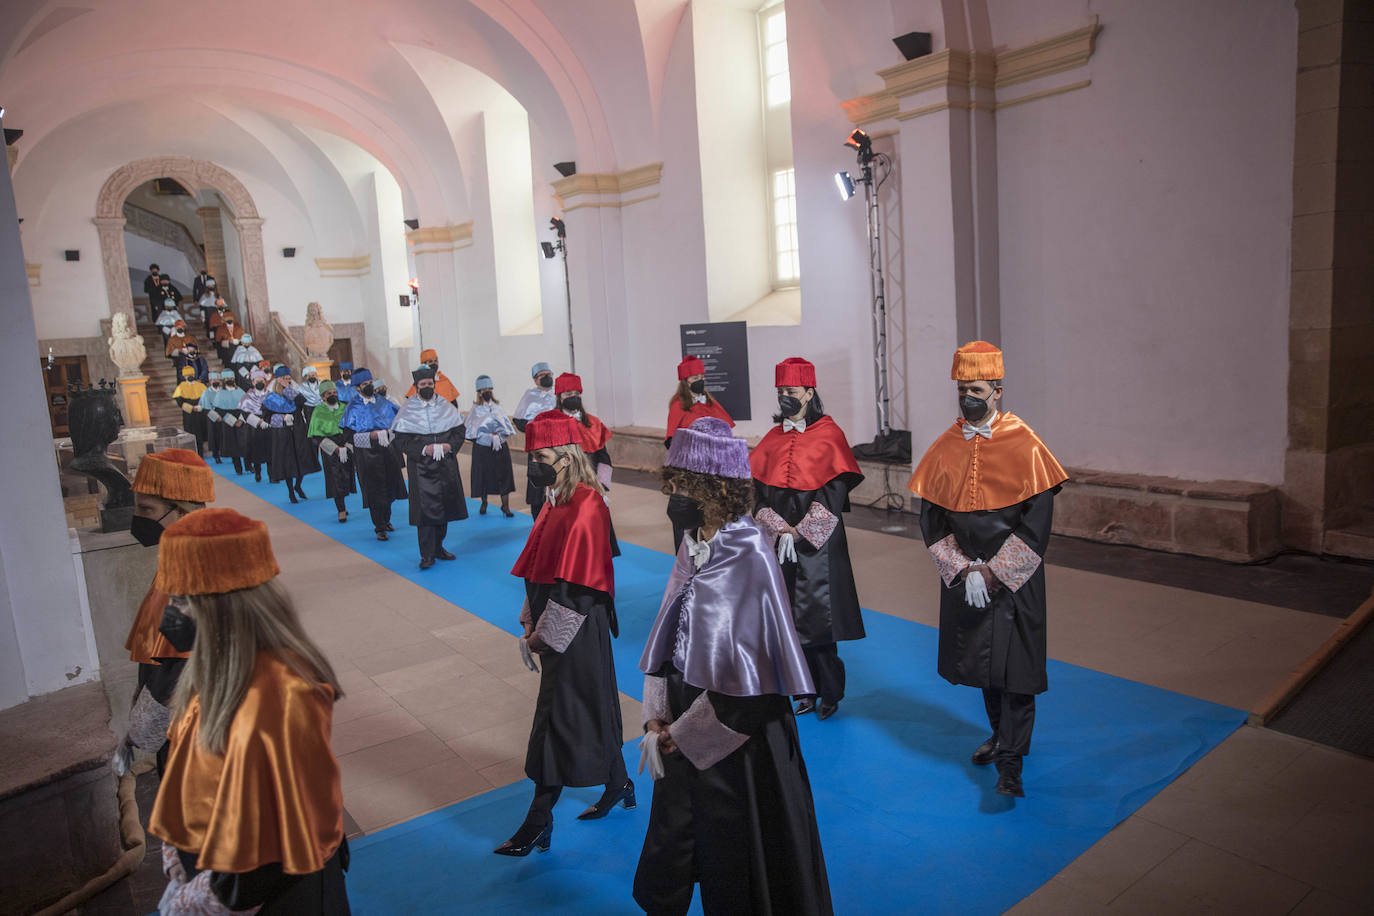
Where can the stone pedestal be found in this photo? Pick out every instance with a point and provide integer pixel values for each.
(322, 366)
(134, 392)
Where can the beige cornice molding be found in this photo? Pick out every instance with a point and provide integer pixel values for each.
(33, 270)
(11, 156)
(330, 268)
(608, 187)
(440, 239)
(974, 70)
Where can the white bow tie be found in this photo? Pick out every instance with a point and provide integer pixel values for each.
(699, 398)
(970, 430)
(789, 426)
(700, 551)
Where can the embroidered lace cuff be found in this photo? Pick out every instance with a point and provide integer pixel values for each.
(949, 559)
(703, 739)
(362, 440)
(770, 521)
(655, 699)
(818, 525)
(526, 617)
(558, 626)
(1014, 563)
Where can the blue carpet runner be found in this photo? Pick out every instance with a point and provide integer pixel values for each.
(907, 823)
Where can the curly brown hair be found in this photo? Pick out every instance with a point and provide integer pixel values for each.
(723, 499)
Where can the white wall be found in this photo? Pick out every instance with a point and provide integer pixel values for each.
(233, 264)
(141, 252)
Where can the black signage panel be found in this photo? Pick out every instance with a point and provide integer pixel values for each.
(723, 346)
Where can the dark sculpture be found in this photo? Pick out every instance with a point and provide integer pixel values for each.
(94, 419)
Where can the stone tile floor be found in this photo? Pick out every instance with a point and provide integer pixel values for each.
(438, 710)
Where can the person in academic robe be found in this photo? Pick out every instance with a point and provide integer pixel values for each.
(345, 383)
(151, 283)
(176, 344)
(595, 434)
(429, 432)
(489, 429)
(196, 361)
(167, 290)
(309, 388)
(568, 622)
(168, 485)
(334, 447)
(367, 422)
(245, 357)
(292, 456)
(228, 336)
(215, 317)
(187, 394)
(690, 403)
(537, 399)
(233, 436)
(442, 386)
(198, 284)
(250, 809)
(384, 393)
(804, 471)
(987, 487)
(258, 440)
(732, 807)
(167, 317)
(212, 416)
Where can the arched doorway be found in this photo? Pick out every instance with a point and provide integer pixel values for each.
(195, 175)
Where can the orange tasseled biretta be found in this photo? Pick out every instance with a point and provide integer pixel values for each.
(175, 473)
(977, 361)
(213, 551)
(972, 475)
(275, 794)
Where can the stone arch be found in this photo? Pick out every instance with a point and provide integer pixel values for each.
(194, 175)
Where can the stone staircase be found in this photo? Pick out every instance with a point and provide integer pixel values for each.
(162, 376)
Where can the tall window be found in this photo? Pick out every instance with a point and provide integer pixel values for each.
(777, 81)
(787, 264)
(777, 131)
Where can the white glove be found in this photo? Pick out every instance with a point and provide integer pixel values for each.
(526, 655)
(343, 454)
(288, 419)
(649, 755)
(975, 590)
(787, 548)
(496, 443)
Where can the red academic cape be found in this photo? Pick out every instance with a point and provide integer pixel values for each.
(803, 461)
(678, 418)
(595, 436)
(570, 541)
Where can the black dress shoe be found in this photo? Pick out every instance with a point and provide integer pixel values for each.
(301, 493)
(426, 562)
(381, 536)
(445, 555)
(505, 510)
(986, 751)
(483, 510)
(390, 527)
(527, 839)
(826, 710)
(1009, 778)
(805, 706)
(294, 500)
(609, 799)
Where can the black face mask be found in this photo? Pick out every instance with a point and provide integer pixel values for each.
(260, 385)
(425, 393)
(789, 406)
(698, 387)
(572, 403)
(545, 382)
(332, 399)
(541, 474)
(147, 531)
(685, 512)
(345, 377)
(434, 366)
(367, 390)
(486, 395)
(972, 408)
(179, 629)
(215, 385)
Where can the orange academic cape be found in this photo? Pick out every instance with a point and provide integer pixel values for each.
(275, 795)
(442, 387)
(972, 475)
(678, 418)
(146, 642)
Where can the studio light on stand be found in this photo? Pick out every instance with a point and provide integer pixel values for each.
(875, 168)
(551, 249)
(415, 301)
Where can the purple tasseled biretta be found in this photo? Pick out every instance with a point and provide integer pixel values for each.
(708, 447)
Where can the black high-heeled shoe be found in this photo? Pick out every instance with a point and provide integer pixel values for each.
(505, 510)
(294, 500)
(608, 800)
(482, 510)
(301, 493)
(527, 839)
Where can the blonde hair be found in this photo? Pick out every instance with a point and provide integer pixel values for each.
(231, 630)
(579, 471)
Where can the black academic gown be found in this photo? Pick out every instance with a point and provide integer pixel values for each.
(193, 422)
(577, 733)
(292, 454)
(1001, 646)
(233, 440)
(338, 475)
(436, 487)
(321, 893)
(825, 600)
(379, 472)
(767, 861)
